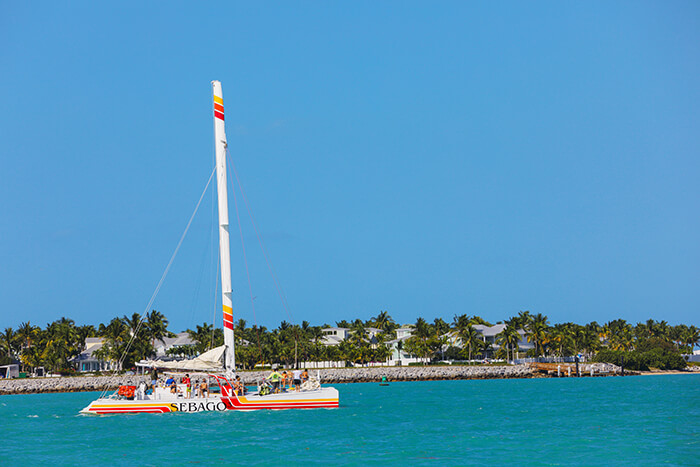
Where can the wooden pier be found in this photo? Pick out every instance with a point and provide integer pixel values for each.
(585, 369)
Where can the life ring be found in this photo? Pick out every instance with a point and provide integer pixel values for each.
(127, 391)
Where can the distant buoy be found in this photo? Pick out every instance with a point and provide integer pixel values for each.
(384, 381)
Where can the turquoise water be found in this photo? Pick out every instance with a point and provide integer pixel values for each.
(623, 421)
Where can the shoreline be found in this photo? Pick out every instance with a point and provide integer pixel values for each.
(328, 376)
(250, 378)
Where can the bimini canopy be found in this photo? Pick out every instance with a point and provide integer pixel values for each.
(208, 361)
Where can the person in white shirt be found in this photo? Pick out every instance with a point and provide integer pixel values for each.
(297, 379)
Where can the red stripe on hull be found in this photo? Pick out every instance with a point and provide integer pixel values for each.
(219, 115)
(236, 404)
(128, 410)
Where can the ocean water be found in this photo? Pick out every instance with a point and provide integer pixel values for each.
(645, 420)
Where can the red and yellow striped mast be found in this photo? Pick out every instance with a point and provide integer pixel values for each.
(224, 249)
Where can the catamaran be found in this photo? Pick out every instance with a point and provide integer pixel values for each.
(215, 368)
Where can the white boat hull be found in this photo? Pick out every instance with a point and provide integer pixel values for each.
(319, 398)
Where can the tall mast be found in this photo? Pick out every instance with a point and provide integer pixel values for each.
(224, 253)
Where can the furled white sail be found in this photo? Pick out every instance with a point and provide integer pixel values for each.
(211, 360)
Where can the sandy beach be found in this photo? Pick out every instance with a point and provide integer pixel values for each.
(669, 372)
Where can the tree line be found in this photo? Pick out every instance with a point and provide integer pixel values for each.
(130, 338)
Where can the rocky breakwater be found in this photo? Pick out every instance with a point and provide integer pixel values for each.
(412, 373)
(66, 384)
(328, 376)
(427, 373)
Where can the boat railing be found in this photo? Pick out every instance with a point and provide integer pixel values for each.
(266, 386)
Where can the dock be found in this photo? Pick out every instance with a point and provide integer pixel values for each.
(585, 369)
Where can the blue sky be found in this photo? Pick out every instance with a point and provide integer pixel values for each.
(428, 159)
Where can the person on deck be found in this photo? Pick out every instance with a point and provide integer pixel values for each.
(244, 390)
(154, 375)
(305, 375)
(237, 386)
(296, 374)
(188, 388)
(275, 378)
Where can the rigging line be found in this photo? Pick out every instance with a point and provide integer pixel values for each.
(262, 244)
(165, 273)
(245, 257)
(262, 247)
(200, 276)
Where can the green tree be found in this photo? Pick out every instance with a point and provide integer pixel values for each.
(8, 343)
(28, 335)
(471, 339)
(157, 326)
(202, 335)
(537, 332)
(384, 322)
(690, 337)
(508, 339)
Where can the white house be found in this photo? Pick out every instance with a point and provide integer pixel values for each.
(334, 336)
(399, 356)
(181, 339)
(86, 360)
(489, 336)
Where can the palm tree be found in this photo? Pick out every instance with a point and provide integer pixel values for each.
(102, 355)
(139, 344)
(26, 332)
(561, 336)
(663, 330)
(384, 321)
(590, 340)
(441, 339)
(399, 348)
(133, 323)
(479, 320)
(84, 332)
(157, 325)
(508, 339)
(537, 332)
(423, 333)
(461, 321)
(31, 356)
(203, 336)
(316, 336)
(358, 332)
(470, 338)
(61, 344)
(690, 337)
(8, 341)
(524, 318)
